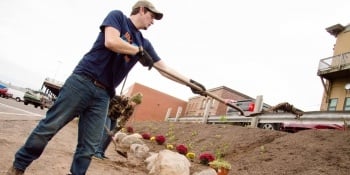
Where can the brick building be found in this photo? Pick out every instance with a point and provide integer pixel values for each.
(196, 105)
(154, 104)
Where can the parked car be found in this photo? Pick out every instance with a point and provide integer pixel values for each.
(247, 105)
(37, 98)
(4, 92)
(295, 127)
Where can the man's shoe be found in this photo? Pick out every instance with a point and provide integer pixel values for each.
(98, 156)
(14, 171)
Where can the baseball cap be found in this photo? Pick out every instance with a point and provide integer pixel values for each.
(149, 6)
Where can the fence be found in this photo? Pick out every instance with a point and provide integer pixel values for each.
(313, 117)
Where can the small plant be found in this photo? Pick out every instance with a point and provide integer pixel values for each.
(190, 146)
(169, 146)
(194, 133)
(129, 129)
(146, 136)
(171, 134)
(171, 138)
(262, 149)
(202, 148)
(160, 139)
(223, 118)
(221, 151)
(182, 149)
(191, 156)
(205, 158)
(220, 163)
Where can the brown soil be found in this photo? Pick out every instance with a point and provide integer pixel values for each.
(249, 150)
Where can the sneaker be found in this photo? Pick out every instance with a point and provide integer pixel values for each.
(98, 156)
(14, 171)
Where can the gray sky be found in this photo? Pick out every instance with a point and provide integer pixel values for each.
(270, 48)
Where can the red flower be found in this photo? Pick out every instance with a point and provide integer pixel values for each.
(182, 149)
(160, 139)
(146, 136)
(205, 158)
(129, 129)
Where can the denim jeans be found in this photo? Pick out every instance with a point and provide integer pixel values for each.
(106, 139)
(78, 97)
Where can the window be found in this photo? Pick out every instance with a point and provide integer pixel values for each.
(332, 104)
(203, 104)
(212, 103)
(347, 104)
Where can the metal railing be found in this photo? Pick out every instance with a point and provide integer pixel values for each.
(316, 117)
(334, 62)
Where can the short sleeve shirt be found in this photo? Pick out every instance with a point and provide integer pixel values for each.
(109, 67)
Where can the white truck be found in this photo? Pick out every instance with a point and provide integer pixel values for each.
(16, 94)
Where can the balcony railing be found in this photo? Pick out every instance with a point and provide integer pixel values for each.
(334, 63)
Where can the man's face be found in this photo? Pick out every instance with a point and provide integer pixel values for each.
(147, 18)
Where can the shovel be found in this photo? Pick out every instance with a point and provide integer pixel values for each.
(111, 134)
(241, 112)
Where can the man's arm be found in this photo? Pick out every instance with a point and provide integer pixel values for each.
(161, 64)
(117, 44)
(171, 74)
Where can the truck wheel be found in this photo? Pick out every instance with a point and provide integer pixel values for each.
(41, 107)
(36, 106)
(25, 103)
(269, 126)
(18, 99)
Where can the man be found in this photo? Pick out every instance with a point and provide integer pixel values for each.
(120, 109)
(87, 91)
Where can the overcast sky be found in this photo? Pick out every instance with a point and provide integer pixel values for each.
(270, 48)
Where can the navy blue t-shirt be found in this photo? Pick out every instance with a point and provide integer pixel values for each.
(106, 66)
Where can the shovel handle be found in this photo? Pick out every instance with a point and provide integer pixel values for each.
(198, 88)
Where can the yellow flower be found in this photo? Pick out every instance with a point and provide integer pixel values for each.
(153, 138)
(190, 155)
(123, 129)
(170, 146)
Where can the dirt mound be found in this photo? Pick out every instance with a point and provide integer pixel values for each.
(249, 150)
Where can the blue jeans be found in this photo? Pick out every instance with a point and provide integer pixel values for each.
(106, 138)
(78, 97)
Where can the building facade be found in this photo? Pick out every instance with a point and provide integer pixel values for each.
(196, 105)
(334, 72)
(155, 104)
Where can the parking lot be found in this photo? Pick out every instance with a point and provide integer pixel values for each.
(10, 109)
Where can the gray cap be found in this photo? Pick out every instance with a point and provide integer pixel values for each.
(149, 6)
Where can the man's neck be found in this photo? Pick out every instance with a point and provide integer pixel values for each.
(134, 20)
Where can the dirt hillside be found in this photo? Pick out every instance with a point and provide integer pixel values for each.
(249, 150)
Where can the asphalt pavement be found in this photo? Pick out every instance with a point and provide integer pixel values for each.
(10, 109)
